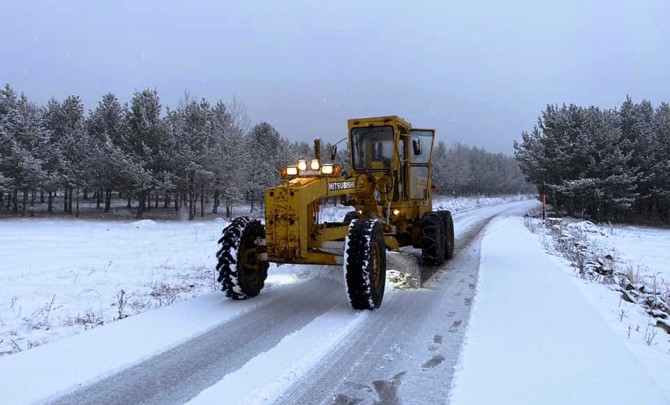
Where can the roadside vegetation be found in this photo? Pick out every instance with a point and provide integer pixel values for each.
(585, 246)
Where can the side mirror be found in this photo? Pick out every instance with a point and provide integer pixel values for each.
(333, 154)
(416, 146)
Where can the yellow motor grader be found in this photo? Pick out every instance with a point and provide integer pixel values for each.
(389, 188)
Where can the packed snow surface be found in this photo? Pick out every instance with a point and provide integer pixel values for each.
(536, 337)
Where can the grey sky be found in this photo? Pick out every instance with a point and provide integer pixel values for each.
(478, 71)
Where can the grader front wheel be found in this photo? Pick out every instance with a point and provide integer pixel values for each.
(365, 264)
(349, 216)
(241, 263)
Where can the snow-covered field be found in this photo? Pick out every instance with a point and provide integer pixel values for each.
(62, 277)
(643, 249)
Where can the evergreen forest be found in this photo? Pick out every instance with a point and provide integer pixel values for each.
(196, 158)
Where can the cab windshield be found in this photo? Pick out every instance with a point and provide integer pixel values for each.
(372, 148)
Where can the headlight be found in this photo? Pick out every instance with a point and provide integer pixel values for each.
(302, 165)
(396, 212)
(327, 169)
(292, 171)
(315, 164)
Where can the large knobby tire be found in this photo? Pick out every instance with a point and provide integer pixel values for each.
(432, 239)
(241, 268)
(365, 264)
(448, 234)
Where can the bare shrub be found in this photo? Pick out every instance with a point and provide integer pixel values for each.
(34, 343)
(40, 318)
(121, 302)
(164, 293)
(89, 320)
(139, 304)
(200, 276)
(650, 332)
(633, 274)
(622, 314)
(15, 347)
(534, 225)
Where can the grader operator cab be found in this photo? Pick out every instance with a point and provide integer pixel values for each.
(388, 187)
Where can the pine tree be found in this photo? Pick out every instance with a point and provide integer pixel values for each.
(52, 125)
(22, 149)
(660, 162)
(29, 149)
(269, 153)
(230, 158)
(459, 171)
(146, 146)
(195, 145)
(107, 129)
(76, 149)
(440, 177)
(637, 125)
(8, 122)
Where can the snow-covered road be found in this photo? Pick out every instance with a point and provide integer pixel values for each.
(299, 342)
(296, 343)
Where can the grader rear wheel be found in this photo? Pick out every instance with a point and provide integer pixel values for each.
(241, 265)
(448, 234)
(365, 264)
(432, 239)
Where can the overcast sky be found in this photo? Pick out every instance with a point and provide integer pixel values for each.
(480, 72)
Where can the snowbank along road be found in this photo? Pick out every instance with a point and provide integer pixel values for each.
(297, 343)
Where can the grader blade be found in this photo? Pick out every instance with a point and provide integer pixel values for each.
(403, 269)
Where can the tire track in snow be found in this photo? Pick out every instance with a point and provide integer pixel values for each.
(280, 366)
(179, 374)
(411, 345)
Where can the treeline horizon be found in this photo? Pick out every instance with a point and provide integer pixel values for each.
(197, 155)
(603, 164)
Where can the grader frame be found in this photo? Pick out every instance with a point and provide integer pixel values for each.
(388, 187)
